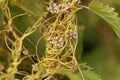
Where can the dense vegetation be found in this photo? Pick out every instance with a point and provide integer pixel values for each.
(54, 39)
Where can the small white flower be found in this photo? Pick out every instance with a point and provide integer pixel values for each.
(54, 5)
(72, 34)
(56, 42)
(35, 67)
(69, 4)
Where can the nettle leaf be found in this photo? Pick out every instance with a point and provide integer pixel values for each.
(107, 13)
(91, 75)
(87, 72)
(71, 75)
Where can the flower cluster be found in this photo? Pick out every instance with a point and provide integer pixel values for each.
(56, 8)
(56, 42)
(72, 34)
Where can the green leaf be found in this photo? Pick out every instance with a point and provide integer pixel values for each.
(1, 15)
(71, 75)
(35, 8)
(107, 13)
(79, 47)
(21, 24)
(90, 75)
(87, 71)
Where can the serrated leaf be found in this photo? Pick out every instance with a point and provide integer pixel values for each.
(87, 72)
(90, 75)
(107, 13)
(71, 75)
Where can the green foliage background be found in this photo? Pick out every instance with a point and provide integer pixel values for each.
(101, 47)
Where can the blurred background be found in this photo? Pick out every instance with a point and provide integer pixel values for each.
(101, 47)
